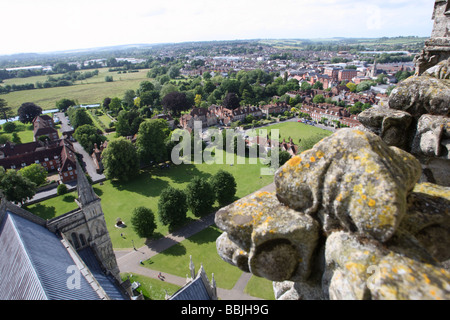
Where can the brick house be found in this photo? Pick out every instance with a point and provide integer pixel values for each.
(347, 74)
(275, 108)
(54, 156)
(198, 114)
(43, 125)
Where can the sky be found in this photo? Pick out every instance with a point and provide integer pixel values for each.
(54, 25)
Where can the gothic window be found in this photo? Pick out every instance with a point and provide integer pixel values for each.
(447, 8)
(82, 240)
(75, 240)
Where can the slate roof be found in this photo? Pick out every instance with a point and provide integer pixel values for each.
(34, 264)
(195, 290)
(107, 282)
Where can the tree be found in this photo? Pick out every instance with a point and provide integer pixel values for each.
(35, 173)
(172, 206)
(64, 104)
(351, 86)
(363, 86)
(120, 160)
(128, 98)
(224, 186)
(28, 111)
(231, 101)
(106, 103)
(318, 85)
(198, 100)
(115, 105)
(318, 98)
(283, 157)
(150, 142)
(128, 123)
(200, 196)
(305, 86)
(143, 222)
(16, 188)
(175, 102)
(61, 189)
(145, 86)
(9, 127)
(5, 111)
(174, 72)
(79, 117)
(88, 135)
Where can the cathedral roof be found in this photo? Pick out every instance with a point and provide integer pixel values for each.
(35, 265)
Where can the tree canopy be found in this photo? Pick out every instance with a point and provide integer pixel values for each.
(120, 160)
(78, 117)
(150, 142)
(16, 188)
(224, 186)
(172, 206)
(175, 102)
(88, 135)
(28, 111)
(35, 173)
(200, 196)
(143, 222)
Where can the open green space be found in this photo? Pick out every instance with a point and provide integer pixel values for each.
(24, 131)
(202, 248)
(295, 130)
(151, 289)
(89, 91)
(120, 198)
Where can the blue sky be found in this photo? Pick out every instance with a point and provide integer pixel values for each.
(50, 25)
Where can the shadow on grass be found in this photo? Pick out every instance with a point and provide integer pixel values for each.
(143, 184)
(171, 247)
(182, 173)
(43, 212)
(98, 191)
(206, 236)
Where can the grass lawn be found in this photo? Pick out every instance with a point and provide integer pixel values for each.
(260, 287)
(24, 131)
(294, 130)
(202, 248)
(119, 199)
(152, 289)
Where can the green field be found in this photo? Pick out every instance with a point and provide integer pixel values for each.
(89, 91)
(297, 131)
(119, 199)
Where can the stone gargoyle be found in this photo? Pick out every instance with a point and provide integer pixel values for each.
(348, 220)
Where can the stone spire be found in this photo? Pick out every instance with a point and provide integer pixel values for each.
(86, 193)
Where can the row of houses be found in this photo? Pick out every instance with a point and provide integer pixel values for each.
(55, 154)
(219, 115)
(331, 112)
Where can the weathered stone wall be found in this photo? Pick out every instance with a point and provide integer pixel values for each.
(348, 220)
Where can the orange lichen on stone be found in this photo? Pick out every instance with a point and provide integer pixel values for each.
(294, 161)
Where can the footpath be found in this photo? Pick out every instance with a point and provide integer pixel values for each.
(129, 260)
